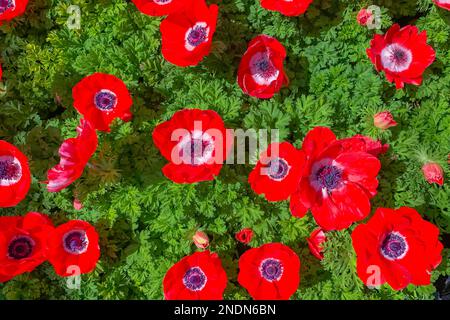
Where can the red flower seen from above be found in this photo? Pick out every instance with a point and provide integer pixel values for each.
(261, 72)
(159, 7)
(15, 176)
(339, 178)
(199, 276)
(315, 243)
(10, 9)
(397, 247)
(287, 7)
(402, 53)
(433, 173)
(22, 243)
(195, 142)
(270, 272)
(75, 154)
(443, 4)
(73, 246)
(244, 236)
(277, 172)
(187, 35)
(101, 98)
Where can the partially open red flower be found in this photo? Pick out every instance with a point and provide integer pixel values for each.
(278, 171)
(315, 243)
(433, 173)
(10, 9)
(15, 176)
(261, 73)
(244, 236)
(287, 7)
(72, 247)
(187, 35)
(199, 276)
(22, 243)
(270, 272)
(364, 17)
(101, 98)
(195, 142)
(443, 4)
(339, 178)
(402, 53)
(75, 154)
(159, 7)
(384, 120)
(200, 239)
(397, 247)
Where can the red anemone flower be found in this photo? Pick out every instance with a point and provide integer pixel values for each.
(402, 53)
(73, 248)
(101, 98)
(15, 176)
(315, 243)
(287, 7)
(159, 7)
(199, 276)
(397, 247)
(261, 73)
(277, 172)
(22, 243)
(339, 178)
(10, 9)
(195, 142)
(187, 34)
(445, 4)
(270, 272)
(75, 154)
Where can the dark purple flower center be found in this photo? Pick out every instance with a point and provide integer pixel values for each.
(195, 279)
(399, 56)
(197, 150)
(75, 242)
(197, 35)
(271, 269)
(262, 67)
(162, 1)
(394, 246)
(10, 170)
(278, 169)
(105, 100)
(329, 177)
(6, 4)
(20, 247)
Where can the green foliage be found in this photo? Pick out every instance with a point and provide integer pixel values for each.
(146, 222)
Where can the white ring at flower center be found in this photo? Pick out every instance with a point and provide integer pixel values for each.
(389, 61)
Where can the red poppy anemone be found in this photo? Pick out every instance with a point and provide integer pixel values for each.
(270, 272)
(244, 236)
(159, 7)
(75, 154)
(445, 4)
(287, 7)
(199, 276)
(187, 35)
(397, 247)
(402, 53)
(277, 172)
(261, 73)
(195, 142)
(22, 243)
(339, 178)
(15, 176)
(101, 98)
(10, 9)
(315, 243)
(73, 247)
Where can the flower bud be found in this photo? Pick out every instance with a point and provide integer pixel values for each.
(384, 120)
(77, 205)
(433, 173)
(364, 17)
(244, 236)
(201, 240)
(315, 243)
